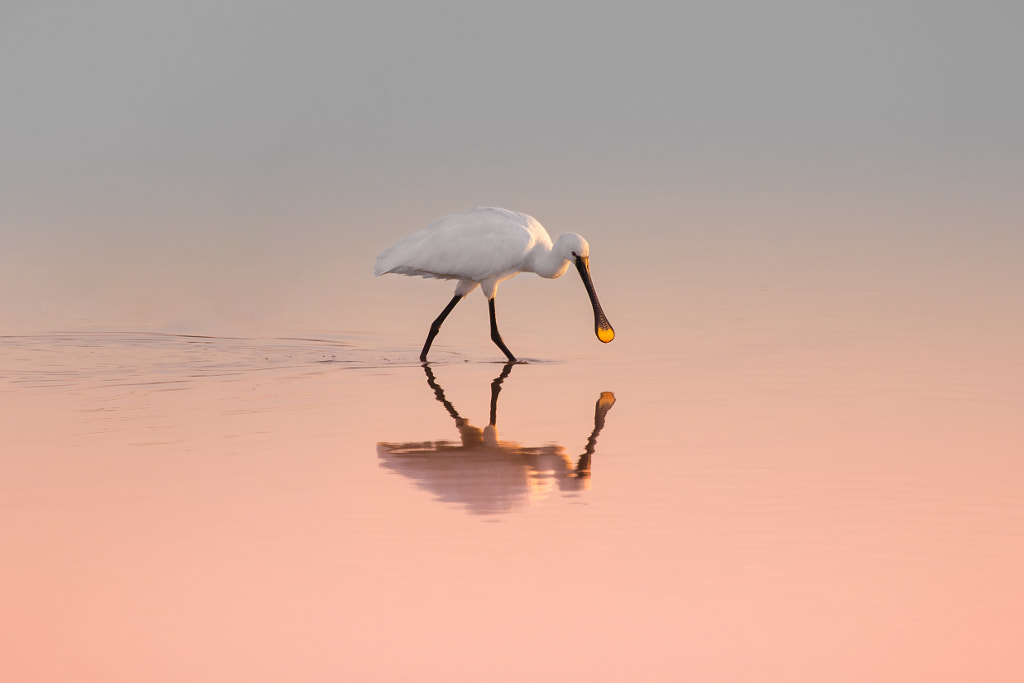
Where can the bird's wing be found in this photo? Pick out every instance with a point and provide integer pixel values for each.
(476, 245)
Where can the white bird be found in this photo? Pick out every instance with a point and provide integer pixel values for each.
(482, 247)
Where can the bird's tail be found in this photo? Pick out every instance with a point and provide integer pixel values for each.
(384, 263)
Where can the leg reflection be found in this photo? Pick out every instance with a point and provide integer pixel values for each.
(495, 388)
(439, 394)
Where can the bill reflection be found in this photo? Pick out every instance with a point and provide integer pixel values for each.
(482, 472)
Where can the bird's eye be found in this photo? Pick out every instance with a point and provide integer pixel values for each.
(575, 254)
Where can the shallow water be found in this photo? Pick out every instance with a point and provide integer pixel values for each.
(207, 508)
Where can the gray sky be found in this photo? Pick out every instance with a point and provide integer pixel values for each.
(189, 93)
(200, 130)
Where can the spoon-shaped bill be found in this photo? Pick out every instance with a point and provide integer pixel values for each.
(602, 327)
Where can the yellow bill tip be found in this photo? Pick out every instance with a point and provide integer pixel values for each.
(605, 334)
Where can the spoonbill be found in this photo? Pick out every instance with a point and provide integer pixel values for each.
(483, 247)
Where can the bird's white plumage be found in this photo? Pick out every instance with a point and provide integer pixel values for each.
(481, 246)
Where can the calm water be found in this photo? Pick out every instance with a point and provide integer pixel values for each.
(795, 502)
(801, 459)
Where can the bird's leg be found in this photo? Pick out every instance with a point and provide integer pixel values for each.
(435, 326)
(496, 336)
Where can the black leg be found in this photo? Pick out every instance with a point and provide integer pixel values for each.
(436, 326)
(495, 336)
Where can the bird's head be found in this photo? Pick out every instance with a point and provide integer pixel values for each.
(571, 246)
(575, 249)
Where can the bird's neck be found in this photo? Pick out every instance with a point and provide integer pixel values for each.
(547, 259)
(547, 263)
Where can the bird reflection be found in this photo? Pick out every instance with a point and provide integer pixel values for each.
(484, 473)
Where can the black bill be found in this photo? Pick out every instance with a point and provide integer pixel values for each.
(602, 328)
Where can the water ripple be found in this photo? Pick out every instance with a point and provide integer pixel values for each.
(77, 360)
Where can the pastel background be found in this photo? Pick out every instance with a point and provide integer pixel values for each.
(806, 227)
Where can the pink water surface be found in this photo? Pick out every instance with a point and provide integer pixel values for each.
(183, 508)
(801, 459)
